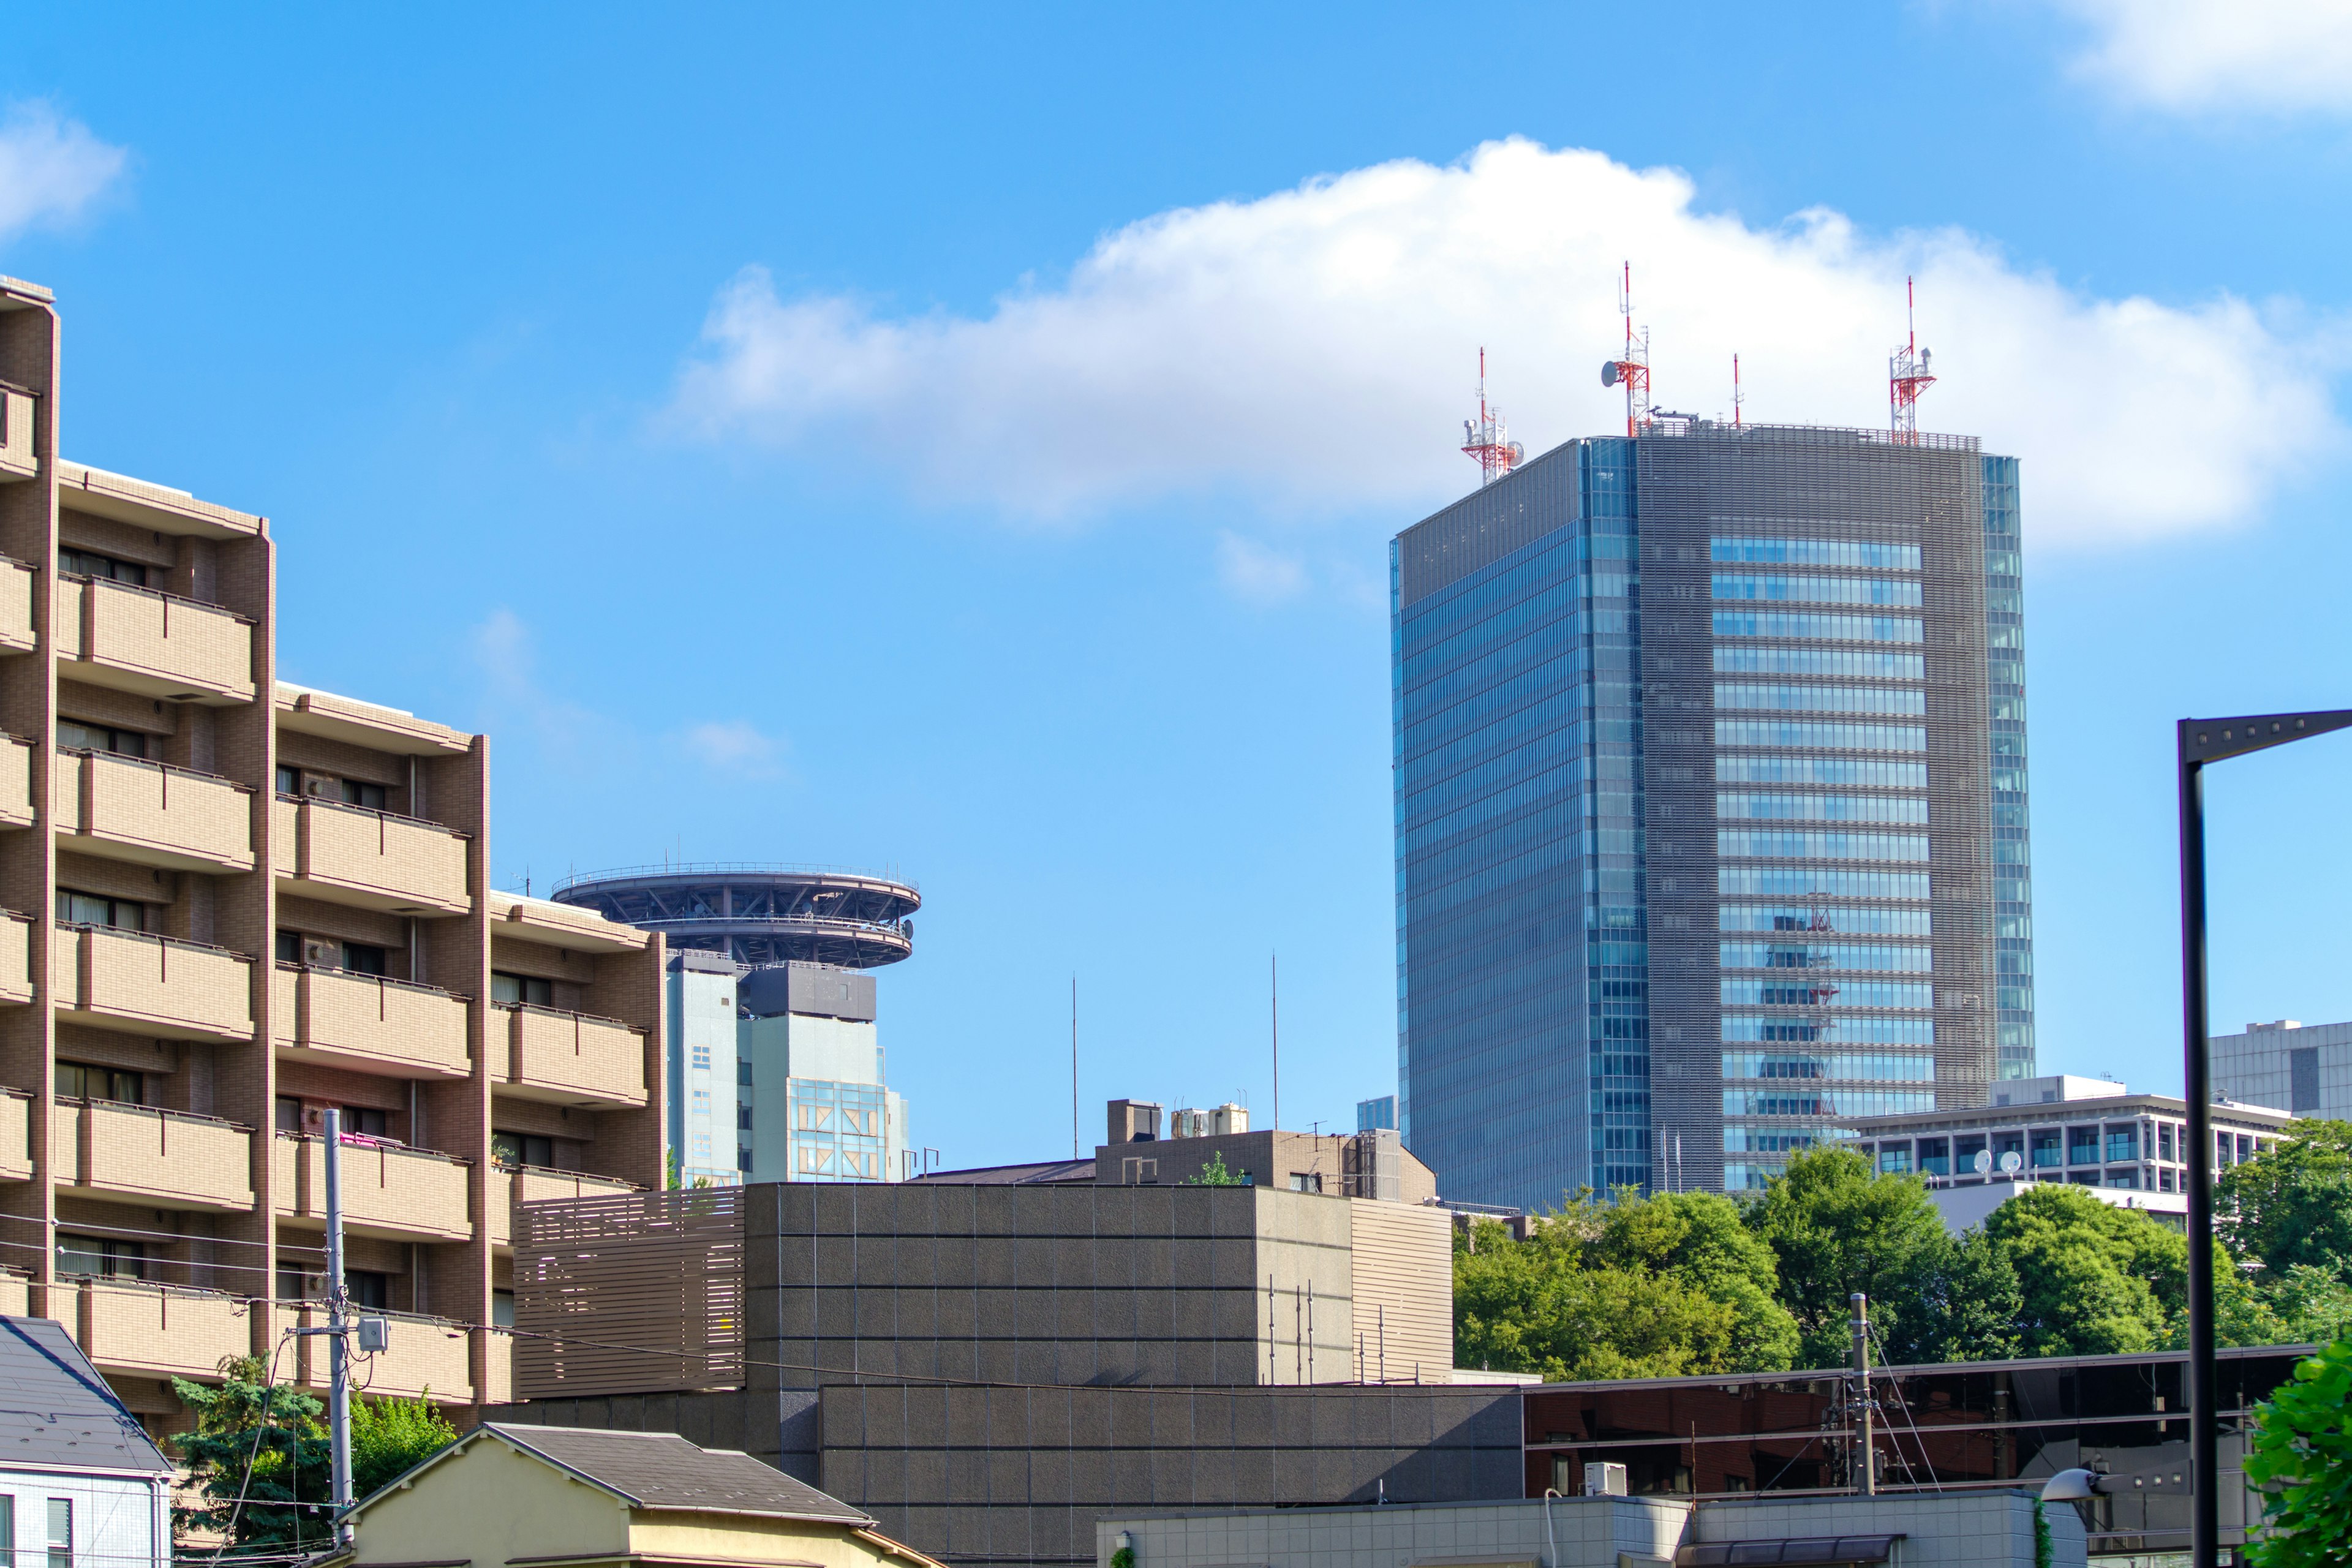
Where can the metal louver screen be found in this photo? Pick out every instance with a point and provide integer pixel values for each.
(635, 1294)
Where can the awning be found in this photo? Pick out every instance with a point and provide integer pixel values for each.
(1806, 1552)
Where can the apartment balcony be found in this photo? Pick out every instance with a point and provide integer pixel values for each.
(15, 781)
(15, 1293)
(338, 1018)
(162, 1159)
(423, 1355)
(17, 634)
(127, 808)
(152, 643)
(151, 984)
(511, 1186)
(375, 859)
(389, 1191)
(129, 1327)
(15, 1136)
(572, 1059)
(17, 458)
(15, 957)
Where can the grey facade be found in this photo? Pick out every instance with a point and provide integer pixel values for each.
(2303, 1069)
(1711, 806)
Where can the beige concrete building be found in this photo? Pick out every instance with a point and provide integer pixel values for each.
(509, 1495)
(229, 904)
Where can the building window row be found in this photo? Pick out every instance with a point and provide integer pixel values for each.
(1901, 699)
(1868, 920)
(1857, 772)
(1862, 663)
(1867, 554)
(1741, 807)
(1818, 627)
(1893, 592)
(1824, 955)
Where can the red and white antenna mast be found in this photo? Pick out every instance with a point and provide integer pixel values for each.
(1632, 372)
(1906, 375)
(1489, 440)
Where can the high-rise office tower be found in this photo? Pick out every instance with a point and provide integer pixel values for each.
(1711, 804)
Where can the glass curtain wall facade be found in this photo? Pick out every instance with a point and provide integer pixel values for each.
(1710, 767)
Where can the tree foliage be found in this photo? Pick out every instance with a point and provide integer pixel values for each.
(2093, 1279)
(2292, 1207)
(1215, 1174)
(391, 1435)
(264, 1443)
(1835, 1228)
(2302, 1461)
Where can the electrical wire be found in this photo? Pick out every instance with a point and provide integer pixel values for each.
(260, 1428)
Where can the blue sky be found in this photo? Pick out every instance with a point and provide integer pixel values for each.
(964, 440)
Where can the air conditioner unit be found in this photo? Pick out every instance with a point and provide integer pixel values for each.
(322, 789)
(322, 954)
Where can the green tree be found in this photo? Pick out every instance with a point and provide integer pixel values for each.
(2292, 1206)
(1642, 1287)
(1965, 1309)
(391, 1435)
(2093, 1279)
(264, 1443)
(2302, 1461)
(1215, 1174)
(1835, 1227)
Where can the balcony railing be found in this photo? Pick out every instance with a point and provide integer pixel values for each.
(15, 957)
(572, 1059)
(346, 1019)
(388, 1190)
(17, 458)
(17, 580)
(378, 860)
(15, 1136)
(424, 1356)
(154, 1331)
(133, 809)
(152, 643)
(16, 1292)
(511, 1186)
(153, 984)
(170, 1159)
(16, 780)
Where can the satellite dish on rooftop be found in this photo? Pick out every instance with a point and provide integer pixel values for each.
(2011, 1163)
(1609, 373)
(1984, 1161)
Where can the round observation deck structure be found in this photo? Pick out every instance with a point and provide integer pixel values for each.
(760, 914)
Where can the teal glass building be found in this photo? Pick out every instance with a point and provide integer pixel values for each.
(1711, 825)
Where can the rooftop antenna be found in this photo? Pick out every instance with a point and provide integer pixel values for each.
(1633, 371)
(1735, 398)
(1907, 374)
(1489, 440)
(1274, 1013)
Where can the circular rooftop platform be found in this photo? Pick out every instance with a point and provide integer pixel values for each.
(758, 914)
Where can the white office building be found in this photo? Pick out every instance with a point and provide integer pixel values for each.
(2307, 1069)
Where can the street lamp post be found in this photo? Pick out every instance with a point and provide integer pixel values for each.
(2203, 741)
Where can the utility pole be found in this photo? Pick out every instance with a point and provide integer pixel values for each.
(1074, 1068)
(1865, 1446)
(1273, 1001)
(339, 1348)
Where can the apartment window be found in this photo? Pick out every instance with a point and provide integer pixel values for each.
(698, 1102)
(78, 1081)
(368, 1288)
(1305, 1181)
(743, 1071)
(61, 1533)
(502, 1308)
(522, 1149)
(2122, 1144)
(289, 1114)
(102, 1256)
(2245, 1148)
(362, 958)
(359, 792)
(2164, 1181)
(2046, 1149)
(1894, 1159)
(289, 947)
(96, 909)
(699, 1146)
(526, 990)
(89, 563)
(1936, 1156)
(366, 1121)
(7, 1509)
(74, 735)
(2081, 1145)
(292, 1285)
(698, 1055)
(2164, 1144)
(289, 780)
(742, 1119)
(743, 1160)
(2123, 1178)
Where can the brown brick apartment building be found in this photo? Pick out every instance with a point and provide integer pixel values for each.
(227, 904)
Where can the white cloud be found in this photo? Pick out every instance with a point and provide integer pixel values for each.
(2242, 56)
(735, 746)
(1257, 572)
(51, 168)
(1313, 350)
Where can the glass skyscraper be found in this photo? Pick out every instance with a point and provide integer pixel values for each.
(1711, 804)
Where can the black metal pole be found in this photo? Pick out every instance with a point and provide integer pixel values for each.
(2204, 1418)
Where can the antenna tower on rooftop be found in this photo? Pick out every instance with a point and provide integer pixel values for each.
(1906, 375)
(1633, 371)
(1735, 398)
(1489, 440)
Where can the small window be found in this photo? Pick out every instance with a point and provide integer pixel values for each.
(522, 1149)
(289, 947)
(101, 1257)
(61, 1533)
(743, 1160)
(366, 1121)
(89, 563)
(698, 1053)
(368, 1288)
(743, 1071)
(75, 1081)
(292, 1284)
(502, 1308)
(289, 1114)
(7, 1504)
(361, 958)
(74, 735)
(93, 909)
(742, 1119)
(1305, 1181)
(359, 792)
(289, 780)
(523, 990)
(698, 1102)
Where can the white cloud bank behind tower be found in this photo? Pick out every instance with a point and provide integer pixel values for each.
(1314, 351)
